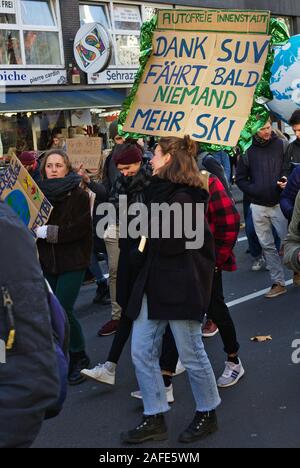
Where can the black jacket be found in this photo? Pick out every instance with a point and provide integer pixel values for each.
(72, 251)
(29, 382)
(129, 266)
(292, 157)
(259, 170)
(177, 281)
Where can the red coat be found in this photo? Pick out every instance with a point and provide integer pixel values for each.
(224, 223)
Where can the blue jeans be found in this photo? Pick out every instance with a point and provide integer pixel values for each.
(146, 350)
(96, 269)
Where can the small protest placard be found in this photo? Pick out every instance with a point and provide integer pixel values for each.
(86, 151)
(18, 189)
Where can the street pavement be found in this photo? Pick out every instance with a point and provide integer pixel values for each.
(262, 410)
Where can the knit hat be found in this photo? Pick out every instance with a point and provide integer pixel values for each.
(127, 153)
(28, 157)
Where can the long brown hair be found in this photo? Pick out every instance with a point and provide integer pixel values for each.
(182, 168)
(61, 153)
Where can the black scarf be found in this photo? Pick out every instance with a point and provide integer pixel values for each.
(57, 189)
(133, 187)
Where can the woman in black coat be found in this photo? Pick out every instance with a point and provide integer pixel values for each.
(174, 288)
(65, 245)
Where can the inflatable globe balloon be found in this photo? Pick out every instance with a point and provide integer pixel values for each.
(17, 201)
(285, 80)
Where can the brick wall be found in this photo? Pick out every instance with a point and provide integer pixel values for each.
(70, 21)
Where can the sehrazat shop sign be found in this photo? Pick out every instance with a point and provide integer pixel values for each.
(201, 76)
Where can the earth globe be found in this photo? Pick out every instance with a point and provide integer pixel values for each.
(17, 201)
(285, 80)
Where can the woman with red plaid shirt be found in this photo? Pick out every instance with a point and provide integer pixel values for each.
(224, 223)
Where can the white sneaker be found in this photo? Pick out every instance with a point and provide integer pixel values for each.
(231, 375)
(104, 373)
(169, 393)
(179, 368)
(259, 264)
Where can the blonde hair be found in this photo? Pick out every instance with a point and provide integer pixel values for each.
(182, 167)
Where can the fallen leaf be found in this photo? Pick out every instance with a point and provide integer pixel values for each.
(261, 339)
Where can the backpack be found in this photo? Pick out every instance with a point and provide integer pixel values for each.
(61, 337)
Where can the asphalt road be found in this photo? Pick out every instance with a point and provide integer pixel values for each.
(261, 411)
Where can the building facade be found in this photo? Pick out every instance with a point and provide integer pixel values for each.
(42, 89)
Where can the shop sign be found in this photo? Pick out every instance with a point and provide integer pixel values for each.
(18, 77)
(113, 75)
(92, 48)
(20, 192)
(7, 6)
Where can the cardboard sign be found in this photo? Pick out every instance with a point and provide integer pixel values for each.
(86, 151)
(234, 21)
(18, 190)
(200, 83)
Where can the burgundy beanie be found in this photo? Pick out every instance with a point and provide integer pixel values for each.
(127, 154)
(28, 157)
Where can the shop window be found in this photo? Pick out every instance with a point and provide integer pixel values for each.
(93, 14)
(6, 18)
(150, 11)
(10, 51)
(128, 50)
(41, 48)
(127, 17)
(38, 13)
(33, 39)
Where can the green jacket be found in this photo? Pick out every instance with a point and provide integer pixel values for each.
(292, 242)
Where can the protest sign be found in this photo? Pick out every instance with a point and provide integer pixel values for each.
(86, 151)
(201, 76)
(18, 189)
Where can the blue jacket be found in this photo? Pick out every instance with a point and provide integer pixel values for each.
(288, 196)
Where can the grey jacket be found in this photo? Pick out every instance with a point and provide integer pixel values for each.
(292, 242)
(29, 379)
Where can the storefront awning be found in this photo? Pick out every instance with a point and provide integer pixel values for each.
(62, 100)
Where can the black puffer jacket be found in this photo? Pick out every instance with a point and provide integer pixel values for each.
(259, 171)
(29, 380)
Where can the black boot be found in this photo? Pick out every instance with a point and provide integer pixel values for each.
(151, 428)
(101, 293)
(78, 361)
(202, 425)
